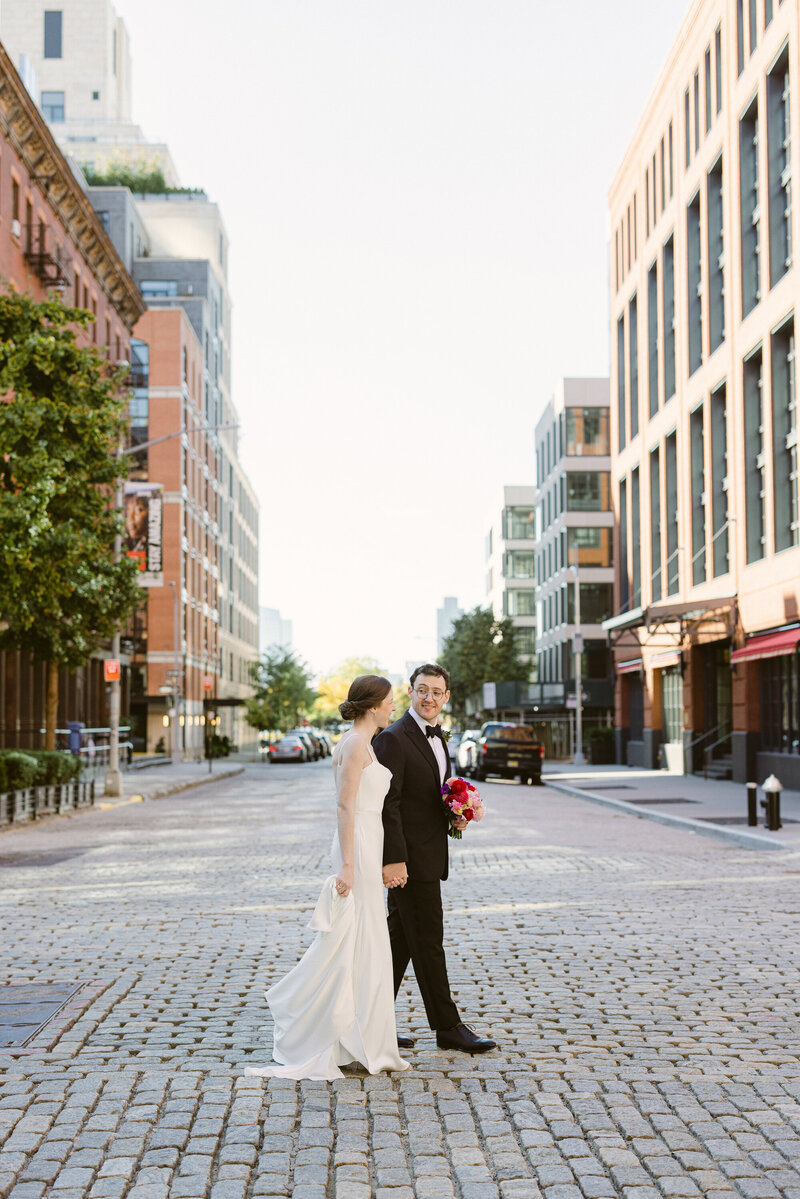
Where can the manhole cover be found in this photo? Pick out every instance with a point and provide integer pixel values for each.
(669, 799)
(24, 1010)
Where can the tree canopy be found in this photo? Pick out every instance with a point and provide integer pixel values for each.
(480, 649)
(63, 411)
(282, 688)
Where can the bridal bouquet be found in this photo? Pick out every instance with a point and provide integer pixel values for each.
(462, 802)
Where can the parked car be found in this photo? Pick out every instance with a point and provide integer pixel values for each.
(290, 748)
(510, 751)
(315, 751)
(453, 742)
(467, 754)
(327, 741)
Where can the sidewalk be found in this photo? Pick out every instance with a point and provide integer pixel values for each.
(156, 781)
(709, 807)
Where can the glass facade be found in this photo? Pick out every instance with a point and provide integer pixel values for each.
(587, 431)
(518, 524)
(592, 547)
(519, 564)
(588, 491)
(780, 704)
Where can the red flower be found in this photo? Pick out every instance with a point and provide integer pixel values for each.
(468, 813)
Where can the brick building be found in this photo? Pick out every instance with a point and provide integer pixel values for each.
(704, 411)
(51, 239)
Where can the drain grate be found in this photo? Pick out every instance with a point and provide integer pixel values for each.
(25, 1010)
(741, 820)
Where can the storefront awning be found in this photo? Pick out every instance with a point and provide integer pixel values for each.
(633, 664)
(625, 620)
(767, 645)
(668, 611)
(670, 657)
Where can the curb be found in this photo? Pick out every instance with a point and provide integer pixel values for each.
(176, 788)
(717, 831)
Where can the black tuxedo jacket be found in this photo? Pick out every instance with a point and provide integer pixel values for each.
(415, 820)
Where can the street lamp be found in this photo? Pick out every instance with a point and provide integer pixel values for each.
(577, 649)
(113, 782)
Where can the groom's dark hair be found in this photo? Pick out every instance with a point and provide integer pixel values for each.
(431, 668)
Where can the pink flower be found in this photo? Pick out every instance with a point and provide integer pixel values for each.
(478, 813)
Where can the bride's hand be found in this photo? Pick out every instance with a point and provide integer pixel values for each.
(344, 881)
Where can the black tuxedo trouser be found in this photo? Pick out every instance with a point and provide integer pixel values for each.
(416, 932)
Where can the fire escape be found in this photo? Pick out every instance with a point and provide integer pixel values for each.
(50, 267)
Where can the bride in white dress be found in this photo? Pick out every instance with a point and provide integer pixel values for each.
(337, 1005)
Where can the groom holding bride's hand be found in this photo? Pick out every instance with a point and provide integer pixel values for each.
(415, 824)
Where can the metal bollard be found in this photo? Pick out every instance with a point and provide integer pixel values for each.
(752, 807)
(772, 788)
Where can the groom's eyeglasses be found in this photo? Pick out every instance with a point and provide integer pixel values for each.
(423, 693)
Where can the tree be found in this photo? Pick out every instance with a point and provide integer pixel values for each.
(480, 649)
(283, 691)
(333, 687)
(63, 412)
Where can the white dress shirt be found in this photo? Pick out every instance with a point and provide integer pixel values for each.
(436, 744)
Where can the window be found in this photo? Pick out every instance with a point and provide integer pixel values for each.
(95, 95)
(655, 202)
(597, 603)
(780, 703)
(53, 106)
(519, 564)
(750, 214)
(587, 431)
(636, 541)
(767, 12)
(716, 257)
(718, 68)
(616, 259)
(647, 200)
(588, 491)
(753, 25)
(779, 169)
(592, 547)
(739, 36)
(14, 200)
(624, 577)
(694, 284)
(672, 703)
(158, 289)
(754, 456)
(621, 382)
(671, 470)
(53, 34)
(668, 317)
(524, 641)
(707, 81)
(696, 111)
(655, 523)
(652, 338)
(697, 463)
(719, 481)
(633, 356)
(518, 524)
(687, 133)
(784, 437)
(519, 601)
(671, 183)
(663, 178)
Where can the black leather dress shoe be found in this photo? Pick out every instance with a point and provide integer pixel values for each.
(404, 1042)
(462, 1037)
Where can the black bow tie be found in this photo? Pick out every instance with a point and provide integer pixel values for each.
(434, 730)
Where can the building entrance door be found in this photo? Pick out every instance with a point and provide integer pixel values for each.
(717, 691)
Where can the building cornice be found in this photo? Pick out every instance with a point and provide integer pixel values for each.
(28, 134)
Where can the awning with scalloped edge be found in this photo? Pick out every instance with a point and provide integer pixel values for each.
(767, 645)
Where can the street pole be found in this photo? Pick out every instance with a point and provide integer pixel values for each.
(113, 784)
(176, 724)
(577, 645)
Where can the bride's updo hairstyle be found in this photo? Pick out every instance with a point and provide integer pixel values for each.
(367, 691)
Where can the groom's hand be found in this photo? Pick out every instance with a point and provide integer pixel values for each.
(395, 875)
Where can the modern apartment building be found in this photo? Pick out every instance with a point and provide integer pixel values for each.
(76, 63)
(510, 568)
(574, 533)
(704, 419)
(446, 617)
(52, 239)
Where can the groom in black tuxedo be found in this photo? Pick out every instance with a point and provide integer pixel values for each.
(415, 824)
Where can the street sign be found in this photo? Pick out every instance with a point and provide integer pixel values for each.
(207, 682)
(111, 670)
(165, 689)
(570, 703)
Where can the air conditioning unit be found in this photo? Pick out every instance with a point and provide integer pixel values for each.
(16, 228)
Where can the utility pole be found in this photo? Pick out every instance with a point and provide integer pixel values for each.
(577, 647)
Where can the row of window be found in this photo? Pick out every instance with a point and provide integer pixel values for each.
(709, 541)
(712, 92)
(747, 23)
(557, 664)
(705, 302)
(590, 546)
(558, 608)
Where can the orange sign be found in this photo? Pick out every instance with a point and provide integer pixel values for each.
(111, 670)
(207, 682)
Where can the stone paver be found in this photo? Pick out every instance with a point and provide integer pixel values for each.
(641, 982)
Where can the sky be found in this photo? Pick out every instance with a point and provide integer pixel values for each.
(415, 195)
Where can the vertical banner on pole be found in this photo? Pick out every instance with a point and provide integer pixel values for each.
(144, 530)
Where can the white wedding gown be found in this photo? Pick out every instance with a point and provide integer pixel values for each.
(337, 1005)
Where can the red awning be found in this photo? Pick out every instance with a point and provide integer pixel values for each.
(669, 657)
(767, 645)
(630, 666)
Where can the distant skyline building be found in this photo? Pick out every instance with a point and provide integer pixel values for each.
(446, 616)
(77, 57)
(273, 630)
(510, 578)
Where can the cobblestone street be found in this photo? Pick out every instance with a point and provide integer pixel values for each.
(641, 981)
